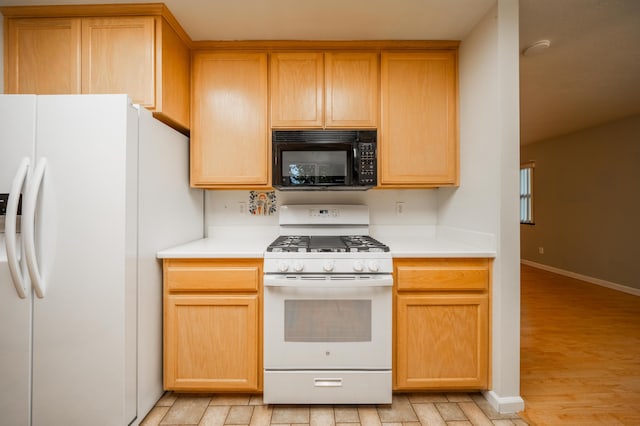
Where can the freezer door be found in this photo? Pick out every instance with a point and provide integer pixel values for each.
(84, 326)
(17, 135)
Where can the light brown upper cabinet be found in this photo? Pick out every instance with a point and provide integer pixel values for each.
(118, 57)
(331, 89)
(230, 144)
(139, 50)
(43, 56)
(418, 141)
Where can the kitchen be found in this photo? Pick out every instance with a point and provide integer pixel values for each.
(488, 135)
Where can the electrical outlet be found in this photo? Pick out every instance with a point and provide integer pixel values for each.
(540, 250)
(399, 208)
(242, 207)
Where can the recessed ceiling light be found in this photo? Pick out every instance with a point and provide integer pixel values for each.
(536, 48)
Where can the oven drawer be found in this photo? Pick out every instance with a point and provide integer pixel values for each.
(327, 387)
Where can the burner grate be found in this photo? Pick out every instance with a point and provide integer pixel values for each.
(328, 244)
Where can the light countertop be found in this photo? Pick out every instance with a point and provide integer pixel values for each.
(404, 241)
(227, 242)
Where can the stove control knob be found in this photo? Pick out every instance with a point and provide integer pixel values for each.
(328, 265)
(298, 266)
(283, 266)
(358, 266)
(373, 266)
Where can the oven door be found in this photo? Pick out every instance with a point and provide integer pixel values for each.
(327, 322)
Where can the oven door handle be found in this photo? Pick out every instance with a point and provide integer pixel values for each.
(319, 281)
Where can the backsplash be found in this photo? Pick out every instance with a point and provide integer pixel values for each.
(232, 208)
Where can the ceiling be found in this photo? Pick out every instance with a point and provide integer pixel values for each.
(589, 75)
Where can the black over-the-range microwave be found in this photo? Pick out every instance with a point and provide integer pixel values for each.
(324, 159)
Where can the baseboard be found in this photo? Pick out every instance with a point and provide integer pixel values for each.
(506, 404)
(597, 281)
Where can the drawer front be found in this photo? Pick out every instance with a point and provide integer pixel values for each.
(442, 274)
(327, 387)
(213, 275)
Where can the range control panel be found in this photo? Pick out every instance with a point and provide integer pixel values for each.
(324, 213)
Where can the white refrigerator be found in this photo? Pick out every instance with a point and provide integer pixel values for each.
(103, 186)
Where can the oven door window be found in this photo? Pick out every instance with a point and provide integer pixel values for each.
(327, 320)
(306, 168)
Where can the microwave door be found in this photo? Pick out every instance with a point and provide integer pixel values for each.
(315, 168)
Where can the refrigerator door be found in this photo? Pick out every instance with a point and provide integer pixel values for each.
(17, 137)
(84, 326)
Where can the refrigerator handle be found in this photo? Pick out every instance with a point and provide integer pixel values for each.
(28, 227)
(10, 228)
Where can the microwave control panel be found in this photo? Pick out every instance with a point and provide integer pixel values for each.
(367, 163)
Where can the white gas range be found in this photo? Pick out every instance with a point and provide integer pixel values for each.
(327, 309)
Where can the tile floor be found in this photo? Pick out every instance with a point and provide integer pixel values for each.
(413, 409)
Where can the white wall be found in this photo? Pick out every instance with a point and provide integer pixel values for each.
(222, 207)
(487, 199)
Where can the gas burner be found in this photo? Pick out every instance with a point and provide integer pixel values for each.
(289, 243)
(358, 243)
(326, 244)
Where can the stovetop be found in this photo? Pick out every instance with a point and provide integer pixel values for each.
(326, 244)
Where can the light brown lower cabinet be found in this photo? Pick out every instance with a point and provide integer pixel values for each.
(212, 323)
(442, 324)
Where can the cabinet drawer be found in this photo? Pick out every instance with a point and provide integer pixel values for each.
(213, 275)
(442, 274)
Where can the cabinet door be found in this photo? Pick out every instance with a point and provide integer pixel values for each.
(43, 56)
(419, 127)
(118, 56)
(229, 133)
(211, 342)
(297, 86)
(351, 92)
(441, 341)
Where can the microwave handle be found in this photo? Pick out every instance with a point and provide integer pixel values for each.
(356, 161)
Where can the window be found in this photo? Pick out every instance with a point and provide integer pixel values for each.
(526, 193)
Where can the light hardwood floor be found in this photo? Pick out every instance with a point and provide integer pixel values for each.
(412, 409)
(580, 352)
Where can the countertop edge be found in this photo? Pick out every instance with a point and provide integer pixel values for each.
(209, 248)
